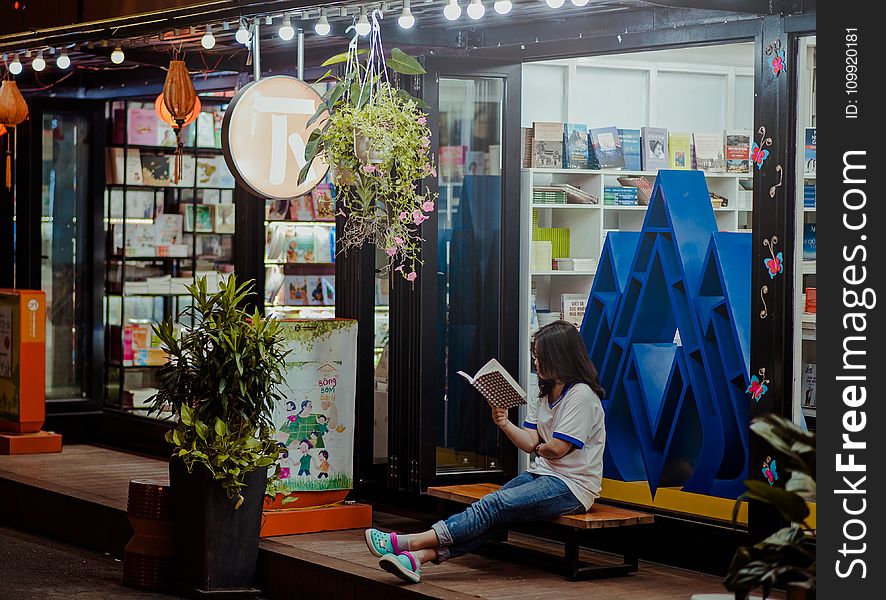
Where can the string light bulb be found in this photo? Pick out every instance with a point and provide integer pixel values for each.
(286, 31)
(503, 7)
(406, 20)
(452, 10)
(15, 67)
(363, 27)
(39, 63)
(322, 27)
(63, 61)
(208, 40)
(117, 56)
(242, 36)
(580, 2)
(476, 10)
(555, 3)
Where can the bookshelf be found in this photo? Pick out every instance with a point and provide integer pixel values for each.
(588, 225)
(160, 236)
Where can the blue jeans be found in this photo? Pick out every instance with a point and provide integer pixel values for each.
(527, 497)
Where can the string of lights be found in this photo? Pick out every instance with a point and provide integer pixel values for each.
(344, 16)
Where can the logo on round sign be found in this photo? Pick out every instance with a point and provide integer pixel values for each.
(264, 135)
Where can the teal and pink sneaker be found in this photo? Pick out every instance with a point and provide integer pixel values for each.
(381, 543)
(404, 565)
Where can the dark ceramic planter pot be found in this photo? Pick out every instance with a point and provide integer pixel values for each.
(216, 546)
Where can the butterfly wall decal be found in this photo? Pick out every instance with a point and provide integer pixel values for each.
(758, 386)
(775, 263)
(769, 470)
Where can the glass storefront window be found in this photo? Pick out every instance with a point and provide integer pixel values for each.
(65, 162)
(468, 270)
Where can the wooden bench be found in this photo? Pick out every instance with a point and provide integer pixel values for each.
(575, 527)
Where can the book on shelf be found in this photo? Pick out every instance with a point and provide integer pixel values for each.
(559, 238)
(631, 145)
(607, 148)
(277, 210)
(324, 204)
(300, 248)
(542, 255)
(546, 317)
(328, 282)
(533, 314)
(575, 264)
(809, 241)
(575, 146)
(160, 284)
(809, 195)
(324, 246)
(134, 288)
(525, 146)
(140, 204)
(142, 126)
(382, 291)
(738, 151)
(123, 167)
(547, 145)
(213, 247)
(576, 195)
(709, 152)
(809, 304)
(620, 196)
(680, 150)
(206, 129)
(179, 285)
(451, 163)
(301, 208)
(314, 285)
(295, 290)
(477, 163)
(496, 385)
(274, 279)
(168, 230)
(809, 151)
(548, 195)
(655, 148)
(224, 218)
(155, 169)
(198, 217)
(808, 394)
(572, 307)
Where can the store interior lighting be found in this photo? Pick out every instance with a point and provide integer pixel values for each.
(406, 20)
(286, 31)
(476, 10)
(452, 10)
(208, 40)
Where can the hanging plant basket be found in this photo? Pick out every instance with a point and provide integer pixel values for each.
(377, 141)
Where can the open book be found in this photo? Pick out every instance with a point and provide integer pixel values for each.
(496, 385)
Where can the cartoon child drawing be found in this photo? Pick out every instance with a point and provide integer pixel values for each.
(321, 429)
(304, 462)
(324, 464)
(284, 461)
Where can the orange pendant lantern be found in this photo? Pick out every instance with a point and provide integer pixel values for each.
(13, 110)
(179, 98)
(164, 115)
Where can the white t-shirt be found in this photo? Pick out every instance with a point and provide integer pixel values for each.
(576, 417)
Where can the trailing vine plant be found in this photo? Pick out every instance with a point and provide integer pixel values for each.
(377, 140)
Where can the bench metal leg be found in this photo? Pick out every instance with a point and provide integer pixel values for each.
(576, 570)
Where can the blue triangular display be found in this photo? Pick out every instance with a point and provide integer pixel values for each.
(676, 415)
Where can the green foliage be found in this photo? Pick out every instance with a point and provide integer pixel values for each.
(784, 556)
(221, 383)
(378, 142)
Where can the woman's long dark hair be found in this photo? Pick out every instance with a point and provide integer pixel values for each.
(562, 356)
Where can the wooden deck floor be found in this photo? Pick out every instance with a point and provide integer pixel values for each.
(333, 564)
(474, 576)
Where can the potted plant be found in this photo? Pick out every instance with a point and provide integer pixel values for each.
(377, 140)
(787, 557)
(220, 382)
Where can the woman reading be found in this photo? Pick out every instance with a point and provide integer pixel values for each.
(564, 431)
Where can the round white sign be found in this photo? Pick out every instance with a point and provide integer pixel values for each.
(264, 135)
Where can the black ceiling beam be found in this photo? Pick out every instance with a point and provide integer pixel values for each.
(753, 7)
(610, 43)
